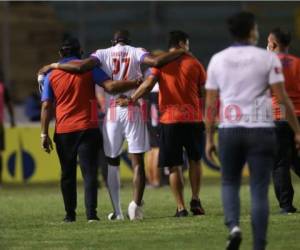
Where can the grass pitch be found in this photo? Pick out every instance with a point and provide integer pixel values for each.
(30, 218)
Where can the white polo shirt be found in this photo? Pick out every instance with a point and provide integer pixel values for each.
(243, 74)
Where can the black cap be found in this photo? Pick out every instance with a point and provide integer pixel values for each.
(70, 44)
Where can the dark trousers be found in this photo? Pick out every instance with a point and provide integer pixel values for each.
(84, 144)
(256, 146)
(286, 158)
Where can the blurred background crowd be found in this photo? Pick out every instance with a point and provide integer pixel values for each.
(31, 32)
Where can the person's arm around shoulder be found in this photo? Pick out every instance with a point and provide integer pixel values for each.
(83, 66)
(163, 59)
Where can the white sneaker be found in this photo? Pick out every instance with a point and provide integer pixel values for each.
(113, 216)
(93, 221)
(135, 212)
(234, 230)
(234, 239)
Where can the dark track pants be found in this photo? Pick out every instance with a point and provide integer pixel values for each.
(84, 144)
(286, 158)
(256, 146)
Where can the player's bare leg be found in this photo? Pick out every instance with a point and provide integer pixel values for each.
(113, 184)
(152, 170)
(155, 168)
(148, 167)
(195, 175)
(177, 186)
(139, 178)
(139, 181)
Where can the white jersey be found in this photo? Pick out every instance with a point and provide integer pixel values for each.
(121, 62)
(243, 74)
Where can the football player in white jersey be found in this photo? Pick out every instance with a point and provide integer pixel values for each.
(122, 61)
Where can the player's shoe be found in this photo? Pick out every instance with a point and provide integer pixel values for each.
(196, 207)
(69, 219)
(181, 213)
(113, 216)
(234, 239)
(93, 219)
(288, 210)
(139, 212)
(135, 212)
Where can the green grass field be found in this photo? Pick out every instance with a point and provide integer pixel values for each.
(30, 218)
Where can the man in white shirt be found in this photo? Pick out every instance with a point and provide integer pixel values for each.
(242, 76)
(122, 61)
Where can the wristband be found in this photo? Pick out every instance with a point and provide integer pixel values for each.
(55, 65)
(44, 135)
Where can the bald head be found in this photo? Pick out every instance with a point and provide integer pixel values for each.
(121, 36)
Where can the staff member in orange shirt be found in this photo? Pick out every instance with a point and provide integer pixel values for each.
(180, 86)
(279, 41)
(70, 97)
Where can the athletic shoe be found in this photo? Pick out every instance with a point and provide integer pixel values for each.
(69, 219)
(181, 213)
(93, 219)
(196, 207)
(234, 239)
(139, 213)
(113, 216)
(135, 212)
(288, 210)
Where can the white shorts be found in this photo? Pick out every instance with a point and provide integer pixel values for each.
(121, 126)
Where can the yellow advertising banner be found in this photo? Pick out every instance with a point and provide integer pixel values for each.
(25, 161)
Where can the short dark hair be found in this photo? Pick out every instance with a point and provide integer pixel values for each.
(177, 36)
(240, 24)
(70, 47)
(283, 37)
(121, 36)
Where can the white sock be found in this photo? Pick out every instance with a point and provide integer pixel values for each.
(113, 183)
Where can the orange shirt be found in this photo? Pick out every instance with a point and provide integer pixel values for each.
(74, 97)
(291, 71)
(180, 85)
